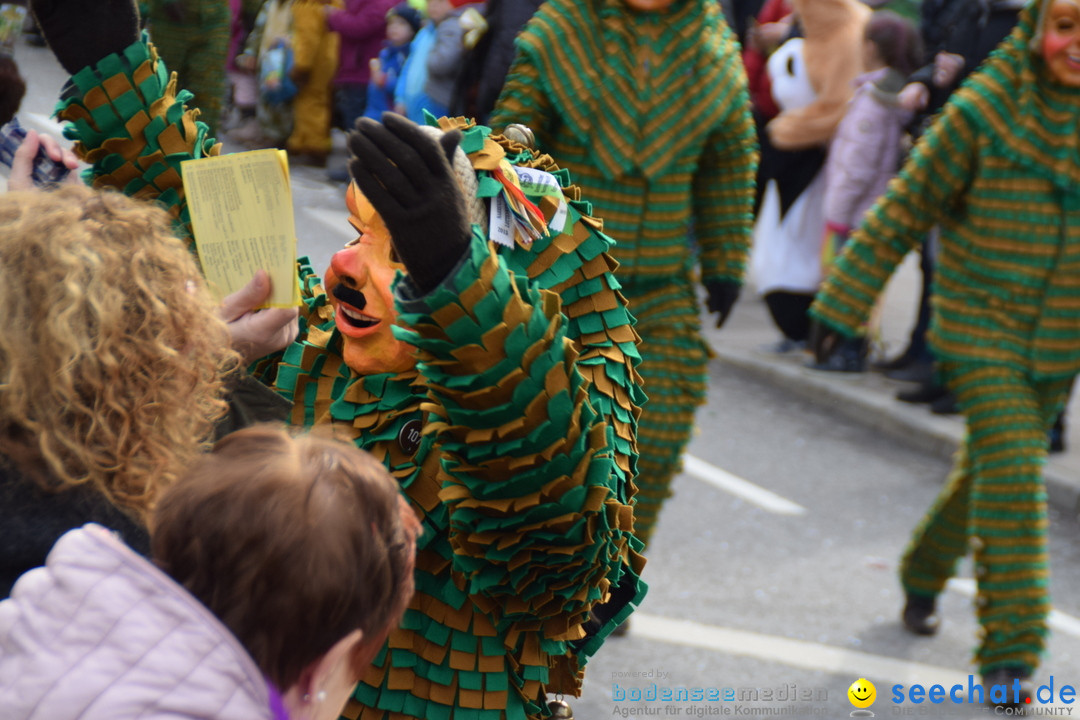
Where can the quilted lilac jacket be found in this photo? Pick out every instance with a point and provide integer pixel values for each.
(99, 632)
(866, 150)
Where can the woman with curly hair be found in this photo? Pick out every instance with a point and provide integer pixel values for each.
(111, 364)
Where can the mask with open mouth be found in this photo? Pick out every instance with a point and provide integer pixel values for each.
(358, 283)
(1059, 33)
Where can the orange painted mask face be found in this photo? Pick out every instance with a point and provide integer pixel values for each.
(358, 285)
(1061, 41)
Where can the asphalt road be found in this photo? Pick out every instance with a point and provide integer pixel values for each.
(749, 593)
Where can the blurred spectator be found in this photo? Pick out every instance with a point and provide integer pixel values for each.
(194, 35)
(772, 27)
(767, 32)
(428, 79)
(315, 60)
(100, 407)
(362, 26)
(812, 82)
(741, 15)
(402, 23)
(12, 89)
(485, 66)
(869, 143)
(867, 149)
(447, 55)
(243, 95)
(273, 28)
(279, 567)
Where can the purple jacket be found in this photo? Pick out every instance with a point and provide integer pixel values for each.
(362, 27)
(866, 149)
(99, 633)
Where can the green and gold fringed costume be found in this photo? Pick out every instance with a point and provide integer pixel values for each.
(1000, 172)
(650, 113)
(129, 121)
(526, 390)
(514, 438)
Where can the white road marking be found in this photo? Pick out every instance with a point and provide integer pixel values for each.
(1062, 622)
(748, 491)
(796, 653)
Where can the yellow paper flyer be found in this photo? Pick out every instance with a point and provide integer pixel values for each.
(242, 216)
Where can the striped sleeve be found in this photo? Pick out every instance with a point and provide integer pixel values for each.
(526, 459)
(930, 186)
(523, 99)
(131, 123)
(723, 189)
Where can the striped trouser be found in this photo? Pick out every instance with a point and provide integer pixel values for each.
(674, 364)
(995, 503)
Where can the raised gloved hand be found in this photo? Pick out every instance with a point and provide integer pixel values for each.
(82, 32)
(407, 177)
(722, 296)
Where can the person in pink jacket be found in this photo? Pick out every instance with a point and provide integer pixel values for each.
(868, 147)
(866, 151)
(279, 566)
(362, 27)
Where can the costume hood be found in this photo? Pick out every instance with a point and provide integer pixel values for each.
(583, 49)
(1014, 98)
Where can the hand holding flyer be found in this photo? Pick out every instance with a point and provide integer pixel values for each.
(242, 216)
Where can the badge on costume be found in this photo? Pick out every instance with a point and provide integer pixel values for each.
(408, 438)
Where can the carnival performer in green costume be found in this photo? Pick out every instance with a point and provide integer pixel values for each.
(604, 85)
(495, 377)
(999, 171)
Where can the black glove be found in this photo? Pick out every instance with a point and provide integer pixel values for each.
(82, 32)
(722, 296)
(406, 175)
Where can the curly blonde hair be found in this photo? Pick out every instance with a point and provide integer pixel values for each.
(111, 355)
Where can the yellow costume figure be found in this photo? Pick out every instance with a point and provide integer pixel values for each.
(315, 58)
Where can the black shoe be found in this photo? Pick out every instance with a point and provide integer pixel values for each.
(916, 372)
(925, 393)
(920, 614)
(900, 361)
(849, 356)
(1008, 676)
(945, 405)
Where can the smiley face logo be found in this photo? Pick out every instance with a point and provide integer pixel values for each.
(862, 693)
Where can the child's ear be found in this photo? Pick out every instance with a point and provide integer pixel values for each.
(339, 660)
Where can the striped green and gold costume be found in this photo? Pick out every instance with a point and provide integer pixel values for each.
(999, 171)
(650, 113)
(525, 398)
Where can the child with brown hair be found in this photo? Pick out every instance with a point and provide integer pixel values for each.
(281, 565)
